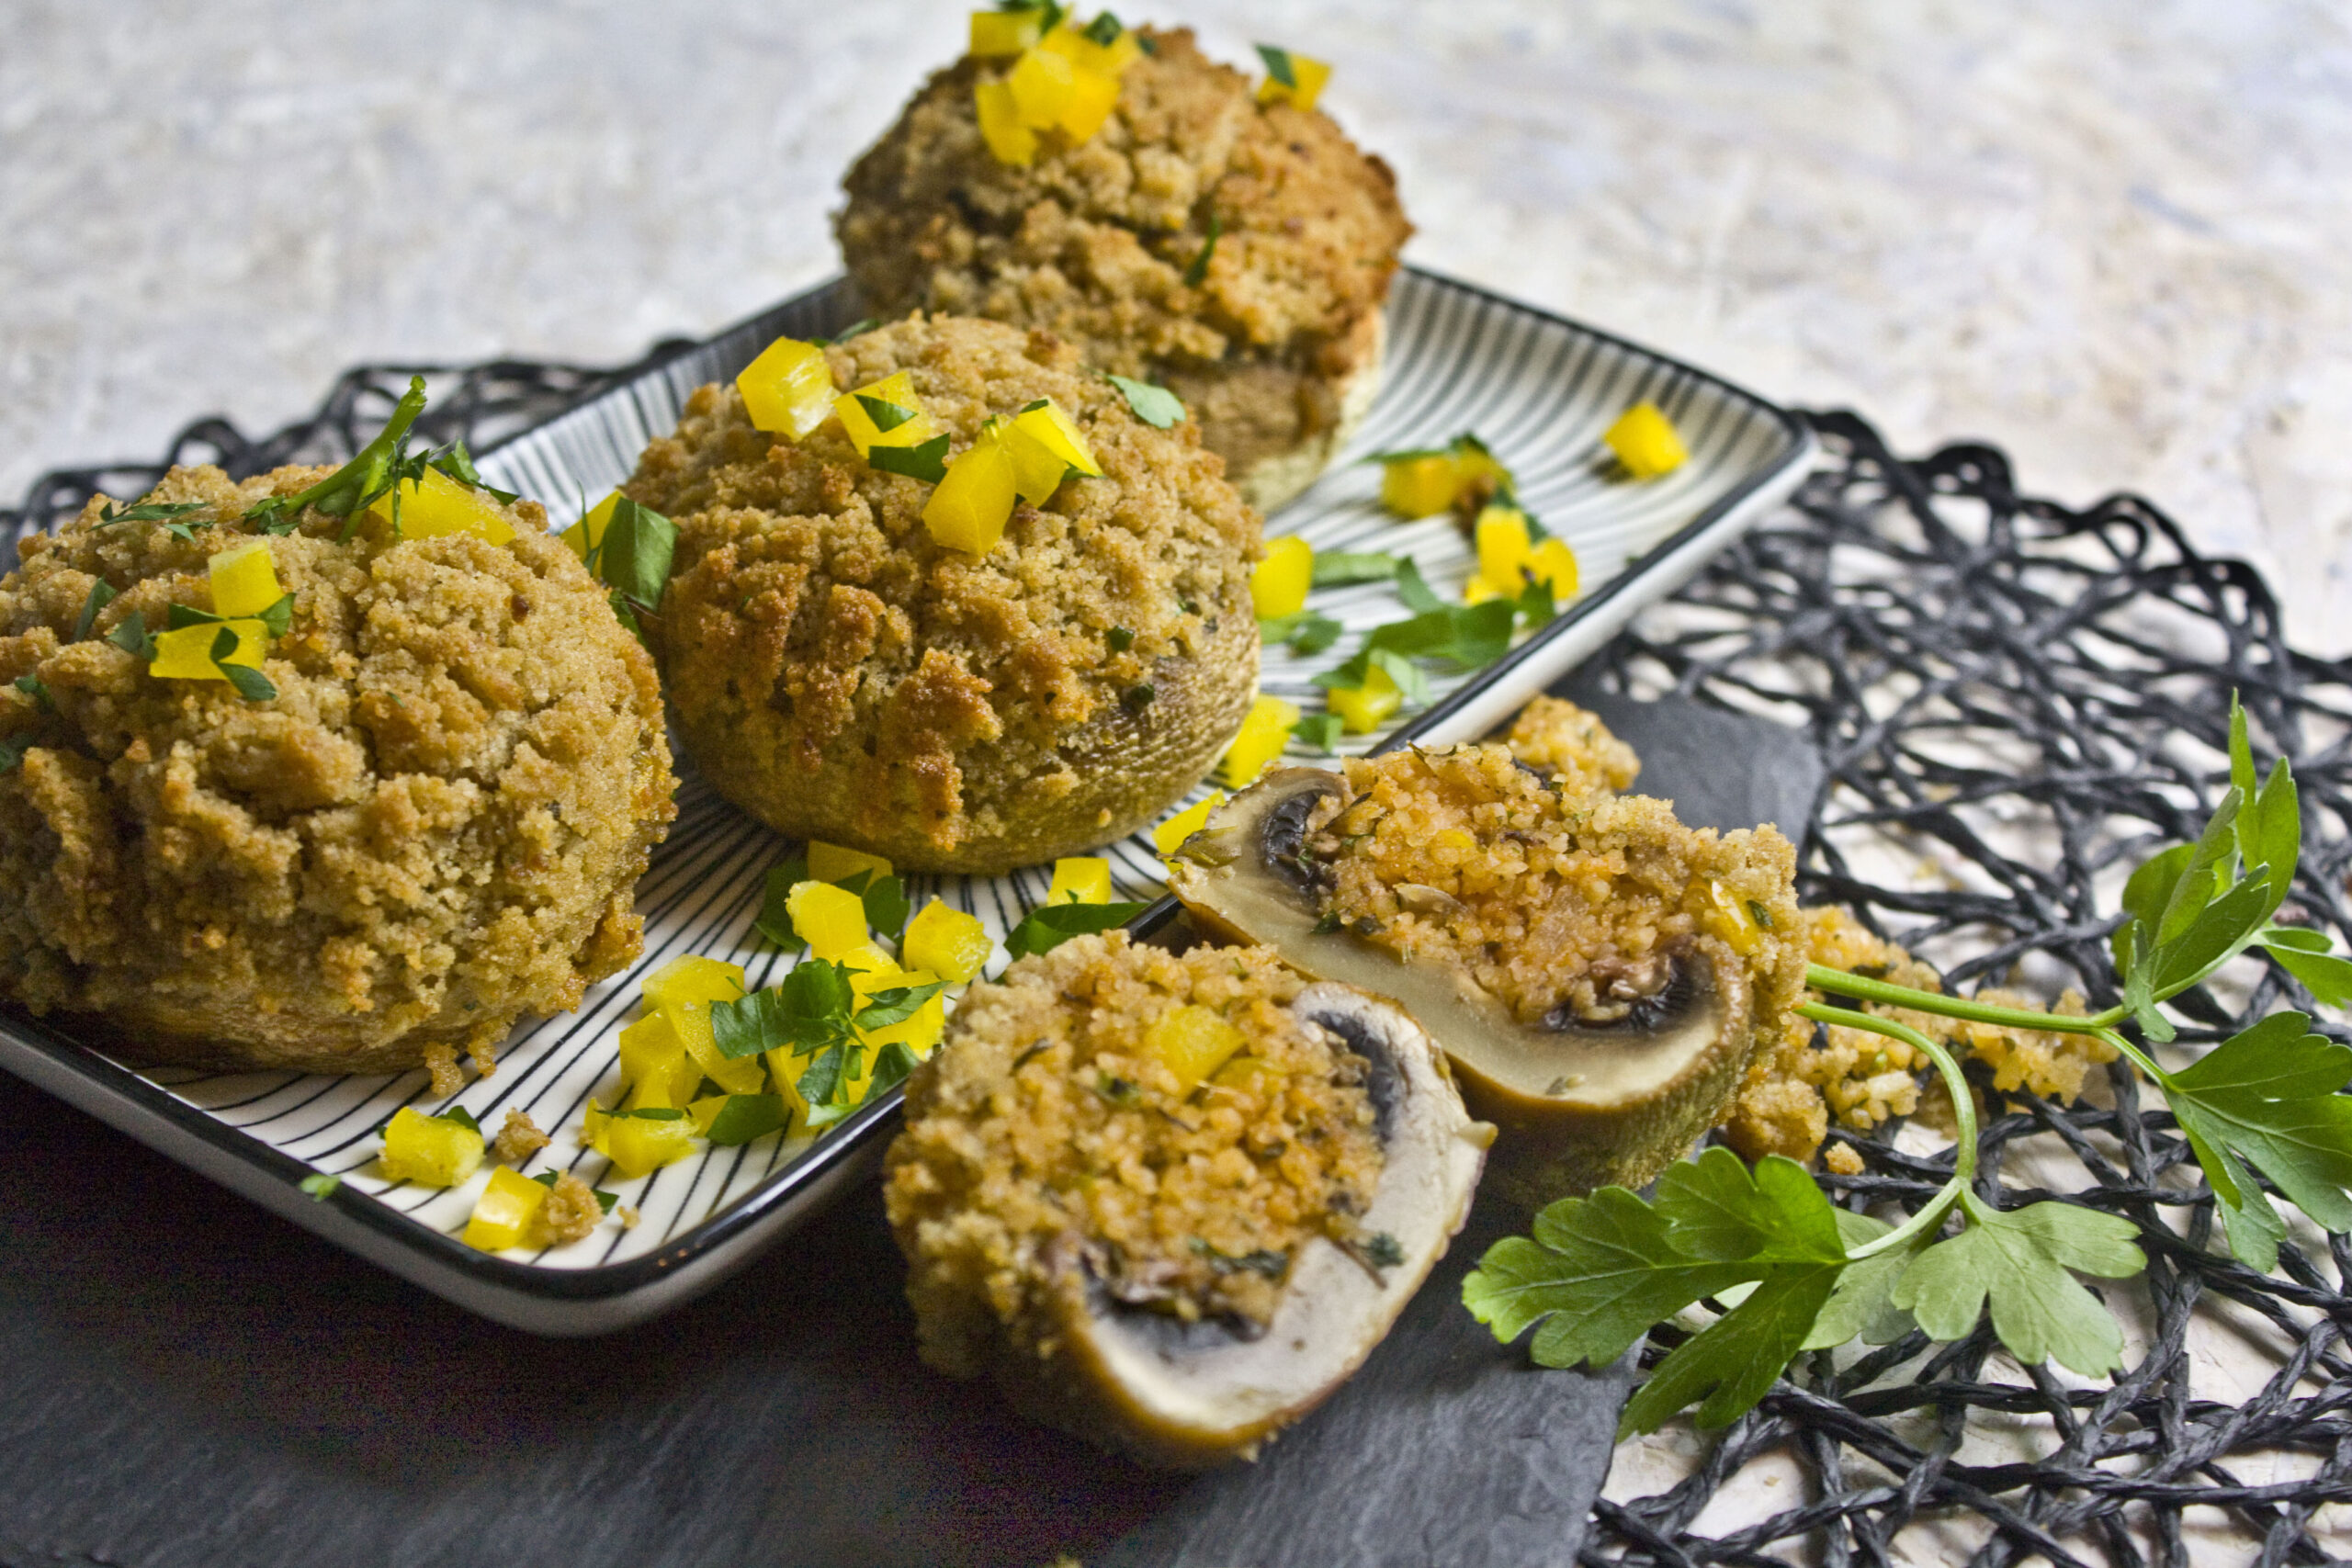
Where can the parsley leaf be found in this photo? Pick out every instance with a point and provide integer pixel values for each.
(858, 328)
(1317, 733)
(605, 1200)
(927, 462)
(639, 546)
(1344, 568)
(747, 1116)
(101, 595)
(1306, 631)
(1197, 273)
(37, 689)
(1414, 589)
(896, 1005)
(886, 415)
(2019, 1258)
(1858, 1307)
(371, 471)
(457, 1115)
(1156, 406)
(1278, 64)
(1735, 1361)
(2267, 1096)
(885, 899)
(1048, 926)
(151, 512)
(892, 1066)
(774, 920)
(12, 751)
(129, 635)
(319, 1187)
(251, 684)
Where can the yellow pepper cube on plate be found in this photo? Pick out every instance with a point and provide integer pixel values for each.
(1646, 441)
(1170, 835)
(909, 426)
(1363, 708)
(1553, 564)
(783, 1072)
(503, 1213)
(187, 654)
(1278, 584)
(1503, 545)
(1081, 879)
(1041, 82)
(244, 581)
(428, 1150)
(831, 920)
(1260, 740)
(1477, 591)
(1192, 1042)
(584, 535)
(919, 1031)
(970, 505)
(946, 941)
(1419, 486)
(999, 34)
(639, 1145)
(682, 991)
(788, 389)
(655, 1065)
(1308, 78)
(1055, 431)
(1008, 142)
(442, 505)
(837, 863)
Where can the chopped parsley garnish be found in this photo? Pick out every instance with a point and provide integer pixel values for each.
(129, 635)
(152, 512)
(886, 415)
(815, 1012)
(1048, 926)
(1156, 406)
(376, 469)
(856, 329)
(250, 684)
(1316, 732)
(775, 911)
(1381, 1249)
(12, 751)
(101, 595)
(1137, 698)
(747, 1116)
(1118, 1091)
(319, 1187)
(36, 688)
(1345, 569)
(927, 462)
(1278, 64)
(1103, 30)
(1049, 12)
(1197, 274)
(1118, 639)
(1306, 631)
(1267, 1264)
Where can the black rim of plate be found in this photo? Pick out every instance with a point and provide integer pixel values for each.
(605, 1282)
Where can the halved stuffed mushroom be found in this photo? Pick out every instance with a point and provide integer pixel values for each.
(1599, 974)
(1170, 1201)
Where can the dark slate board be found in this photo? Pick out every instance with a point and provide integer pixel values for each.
(185, 1381)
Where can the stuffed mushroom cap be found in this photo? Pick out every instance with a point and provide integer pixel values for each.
(430, 826)
(841, 674)
(1274, 346)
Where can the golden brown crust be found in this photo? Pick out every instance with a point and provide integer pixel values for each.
(840, 674)
(432, 829)
(1093, 242)
(1572, 745)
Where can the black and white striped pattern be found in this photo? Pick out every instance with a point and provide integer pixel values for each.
(1538, 389)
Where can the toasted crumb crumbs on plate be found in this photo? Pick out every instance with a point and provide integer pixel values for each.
(441, 1061)
(518, 1139)
(571, 1211)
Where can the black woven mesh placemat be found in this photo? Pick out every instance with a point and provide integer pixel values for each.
(2022, 699)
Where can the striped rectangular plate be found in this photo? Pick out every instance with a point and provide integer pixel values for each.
(1537, 389)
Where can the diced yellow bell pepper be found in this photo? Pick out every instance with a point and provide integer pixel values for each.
(831, 920)
(429, 1151)
(946, 941)
(1081, 879)
(639, 1145)
(997, 34)
(1310, 74)
(783, 1072)
(1171, 833)
(245, 580)
(1092, 96)
(1418, 487)
(788, 389)
(837, 863)
(187, 654)
(1192, 1042)
(969, 507)
(898, 390)
(1646, 441)
(921, 1028)
(1554, 565)
(1055, 431)
(1279, 583)
(1477, 591)
(654, 1064)
(442, 505)
(870, 970)
(1041, 82)
(1008, 142)
(1730, 920)
(1473, 462)
(1037, 471)
(589, 532)
(1085, 54)
(1503, 545)
(682, 991)
(1251, 1075)
(1258, 742)
(1363, 708)
(503, 1213)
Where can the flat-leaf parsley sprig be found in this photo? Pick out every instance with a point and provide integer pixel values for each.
(1799, 1274)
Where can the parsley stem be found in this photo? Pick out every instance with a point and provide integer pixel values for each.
(1821, 977)
(2140, 1058)
(1963, 1104)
